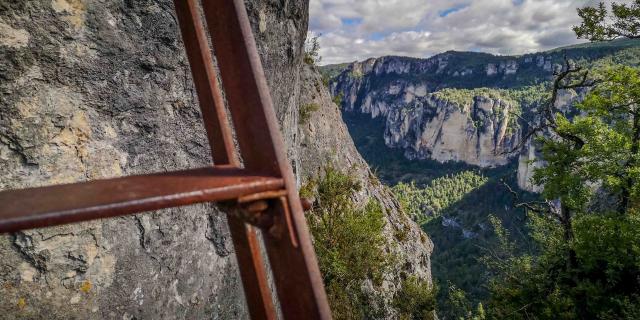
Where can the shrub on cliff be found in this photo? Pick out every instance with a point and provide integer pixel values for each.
(349, 243)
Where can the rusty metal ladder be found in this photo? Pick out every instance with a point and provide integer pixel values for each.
(259, 193)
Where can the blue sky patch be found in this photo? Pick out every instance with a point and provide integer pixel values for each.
(517, 2)
(451, 10)
(351, 21)
(376, 36)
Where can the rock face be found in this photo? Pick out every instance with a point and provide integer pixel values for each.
(477, 133)
(472, 123)
(423, 124)
(528, 161)
(95, 89)
(325, 140)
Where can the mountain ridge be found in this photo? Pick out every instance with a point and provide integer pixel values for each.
(413, 93)
(620, 43)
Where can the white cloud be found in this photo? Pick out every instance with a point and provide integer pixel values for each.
(359, 29)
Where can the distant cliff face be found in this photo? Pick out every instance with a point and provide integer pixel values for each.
(478, 131)
(460, 106)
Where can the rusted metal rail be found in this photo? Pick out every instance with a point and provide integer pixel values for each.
(259, 194)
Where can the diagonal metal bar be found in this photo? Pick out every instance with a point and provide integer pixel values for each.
(245, 242)
(295, 268)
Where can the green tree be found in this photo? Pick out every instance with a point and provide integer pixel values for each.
(424, 204)
(601, 24)
(587, 262)
(416, 300)
(460, 307)
(589, 159)
(349, 243)
(603, 149)
(312, 50)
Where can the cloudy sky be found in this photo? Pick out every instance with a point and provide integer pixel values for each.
(358, 29)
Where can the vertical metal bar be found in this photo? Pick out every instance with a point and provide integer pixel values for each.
(206, 83)
(252, 269)
(245, 242)
(295, 269)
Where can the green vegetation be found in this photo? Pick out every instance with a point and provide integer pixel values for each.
(305, 112)
(331, 71)
(349, 244)
(588, 252)
(601, 24)
(416, 300)
(464, 97)
(356, 74)
(577, 258)
(338, 100)
(590, 277)
(423, 204)
(312, 51)
(455, 258)
(525, 96)
(587, 257)
(460, 246)
(461, 307)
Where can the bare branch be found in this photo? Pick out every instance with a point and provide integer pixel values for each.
(569, 77)
(539, 207)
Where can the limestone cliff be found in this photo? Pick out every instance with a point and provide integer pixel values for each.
(93, 89)
(325, 140)
(425, 125)
(456, 106)
(477, 133)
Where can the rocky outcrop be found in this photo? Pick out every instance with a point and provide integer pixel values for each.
(475, 125)
(325, 141)
(478, 133)
(528, 161)
(530, 158)
(424, 125)
(96, 89)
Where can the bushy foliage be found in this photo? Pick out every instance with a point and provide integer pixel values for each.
(601, 24)
(588, 256)
(464, 97)
(312, 51)
(416, 300)
(349, 244)
(423, 204)
(603, 146)
(601, 283)
(460, 307)
(338, 99)
(587, 263)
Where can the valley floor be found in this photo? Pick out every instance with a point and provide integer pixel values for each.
(461, 232)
